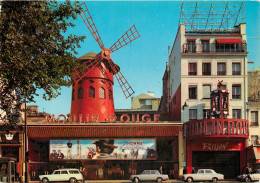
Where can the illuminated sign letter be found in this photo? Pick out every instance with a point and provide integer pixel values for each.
(146, 118)
(49, 119)
(61, 121)
(113, 118)
(122, 118)
(95, 118)
(156, 118)
(137, 118)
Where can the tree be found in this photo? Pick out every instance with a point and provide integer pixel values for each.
(34, 51)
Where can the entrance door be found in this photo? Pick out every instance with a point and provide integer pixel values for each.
(224, 162)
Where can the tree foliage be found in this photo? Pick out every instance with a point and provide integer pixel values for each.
(34, 52)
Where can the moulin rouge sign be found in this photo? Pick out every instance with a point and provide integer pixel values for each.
(125, 118)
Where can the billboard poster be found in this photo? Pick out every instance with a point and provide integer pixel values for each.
(128, 149)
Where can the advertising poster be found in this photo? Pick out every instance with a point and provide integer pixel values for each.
(128, 149)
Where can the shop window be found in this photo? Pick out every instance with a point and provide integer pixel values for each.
(192, 114)
(236, 113)
(236, 91)
(191, 46)
(206, 91)
(80, 93)
(236, 69)
(192, 92)
(221, 69)
(110, 95)
(254, 118)
(73, 94)
(206, 113)
(205, 45)
(206, 69)
(192, 69)
(102, 93)
(91, 92)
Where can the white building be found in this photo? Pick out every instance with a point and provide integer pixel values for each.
(198, 60)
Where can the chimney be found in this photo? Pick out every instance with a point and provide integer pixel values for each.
(169, 50)
(150, 93)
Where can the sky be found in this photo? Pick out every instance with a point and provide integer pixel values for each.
(143, 61)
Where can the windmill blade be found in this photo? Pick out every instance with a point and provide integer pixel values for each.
(87, 19)
(127, 89)
(130, 35)
(89, 65)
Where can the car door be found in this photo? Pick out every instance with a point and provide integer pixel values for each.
(208, 175)
(153, 175)
(145, 175)
(55, 176)
(200, 175)
(64, 175)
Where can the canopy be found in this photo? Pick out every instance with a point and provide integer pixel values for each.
(229, 41)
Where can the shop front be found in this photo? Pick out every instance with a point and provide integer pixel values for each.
(103, 151)
(218, 144)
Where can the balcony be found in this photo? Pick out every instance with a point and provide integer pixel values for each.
(206, 128)
(214, 48)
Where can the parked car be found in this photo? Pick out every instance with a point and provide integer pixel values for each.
(203, 175)
(250, 177)
(63, 175)
(149, 175)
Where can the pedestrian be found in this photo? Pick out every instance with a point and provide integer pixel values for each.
(193, 170)
(161, 170)
(184, 170)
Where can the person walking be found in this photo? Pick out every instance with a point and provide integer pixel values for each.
(161, 170)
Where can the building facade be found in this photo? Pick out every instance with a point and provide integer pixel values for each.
(197, 62)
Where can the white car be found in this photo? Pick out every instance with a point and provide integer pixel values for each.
(203, 175)
(250, 177)
(149, 175)
(63, 175)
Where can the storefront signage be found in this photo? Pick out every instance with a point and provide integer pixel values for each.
(216, 146)
(125, 118)
(116, 149)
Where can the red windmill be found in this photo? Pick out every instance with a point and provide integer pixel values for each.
(92, 91)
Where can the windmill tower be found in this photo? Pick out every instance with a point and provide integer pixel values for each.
(92, 89)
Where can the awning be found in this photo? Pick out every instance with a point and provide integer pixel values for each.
(205, 39)
(191, 39)
(229, 41)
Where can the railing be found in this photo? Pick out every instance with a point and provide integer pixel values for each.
(217, 128)
(213, 47)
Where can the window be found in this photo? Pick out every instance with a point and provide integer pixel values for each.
(74, 172)
(73, 94)
(236, 69)
(148, 102)
(221, 69)
(80, 93)
(206, 113)
(191, 46)
(192, 68)
(57, 172)
(206, 69)
(236, 91)
(236, 113)
(205, 45)
(223, 87)
(102, 93)
(201, 171)
(208, 171)
(64, 172)
(91, 92)
(254, 118)
(192, 92)
(110, 96)
(192, 114)
(206, 91)
(254, 139)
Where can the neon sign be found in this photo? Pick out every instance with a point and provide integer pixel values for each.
(125, 118)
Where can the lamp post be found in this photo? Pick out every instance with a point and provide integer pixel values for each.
(25, 146)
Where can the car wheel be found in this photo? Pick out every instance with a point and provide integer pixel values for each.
(136, 180)
(159, 179)
(247, 179)
(189, 179)
(45, 180)
(214, 179)
(73, 180)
